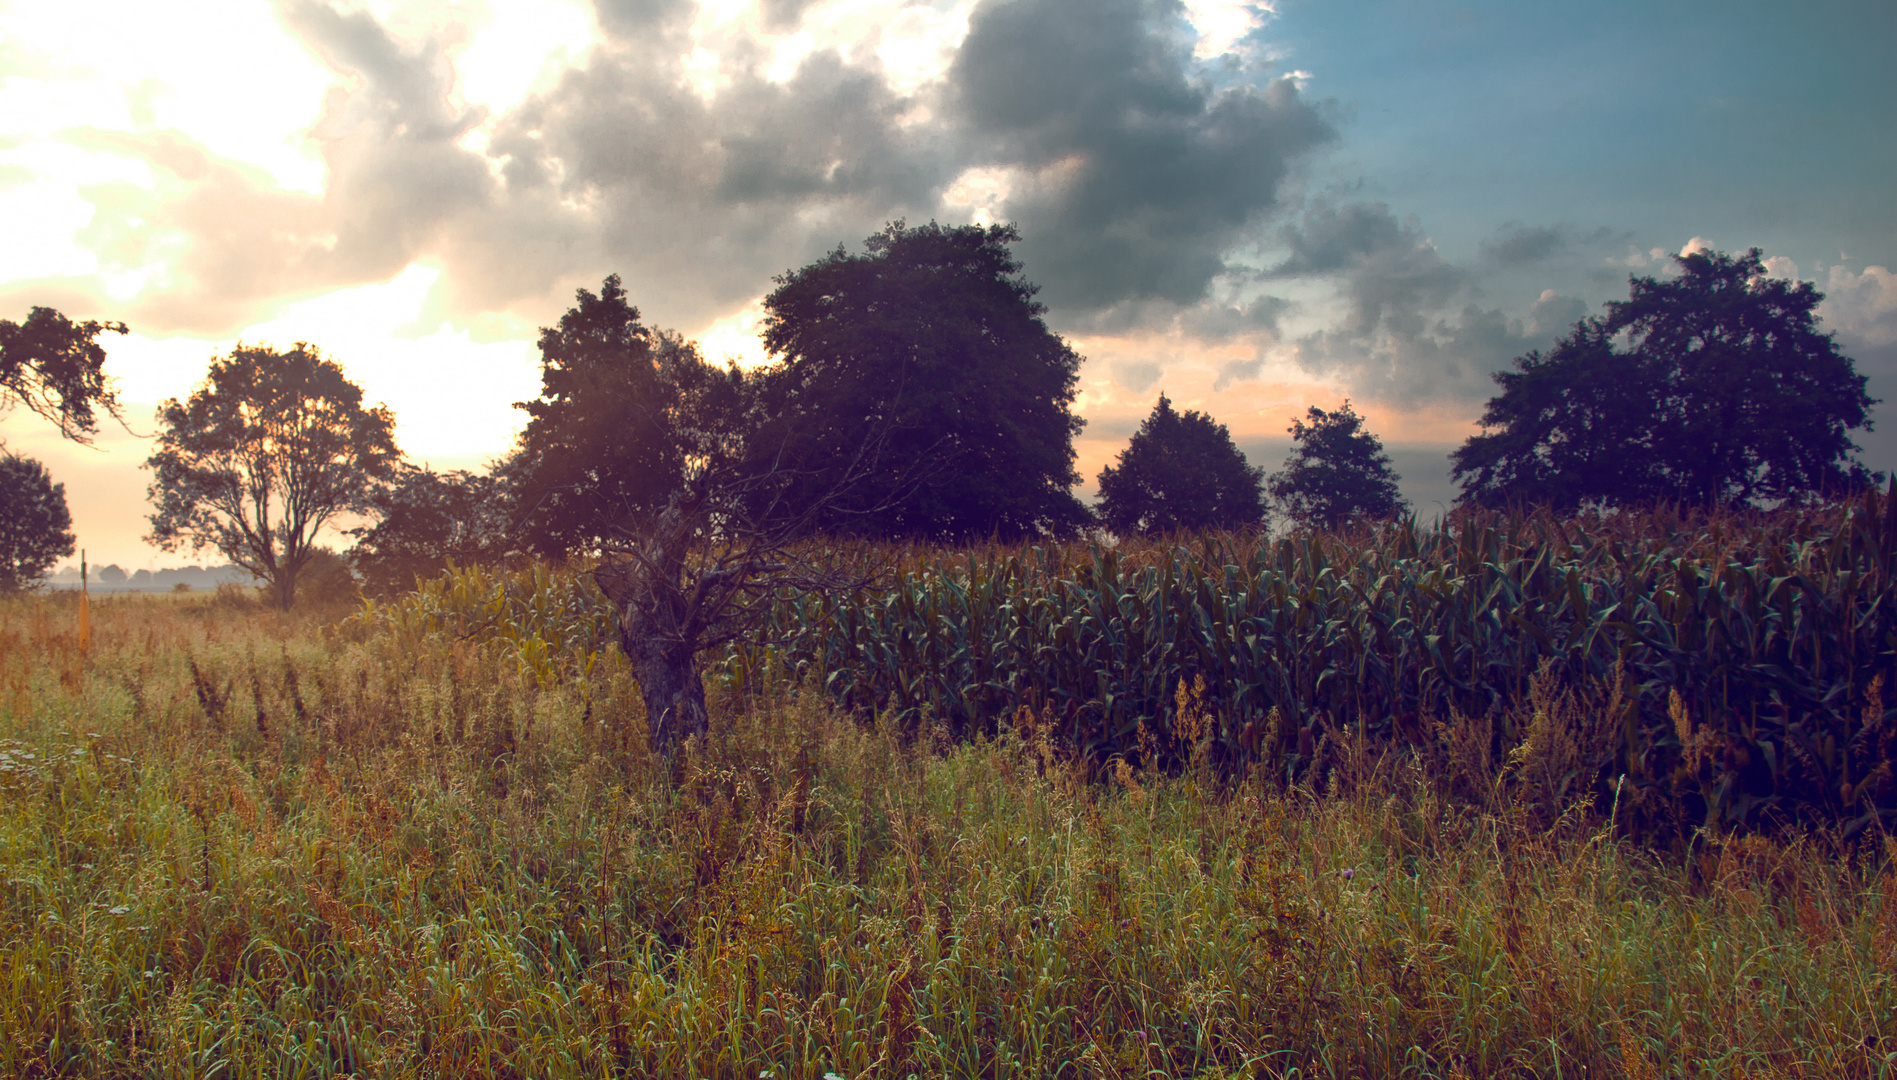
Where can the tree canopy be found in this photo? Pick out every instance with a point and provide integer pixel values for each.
(427, 520)
(926, 358)
(56, 368)
(35, 527)
(269, 449)
(1337, 472)
(624, 413)
(1180, 472)
(1714, 388)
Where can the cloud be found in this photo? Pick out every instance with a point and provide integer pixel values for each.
(1861, 305)
(1515, 244)
(699, 175)
(1148, 178)
(1135, 375)
(1390, 272)
(1427, 357)
(1553, 314)
(1405, 337)
(1238, 369)
(220, 245)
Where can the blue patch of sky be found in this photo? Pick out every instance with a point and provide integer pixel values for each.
(1747, 123)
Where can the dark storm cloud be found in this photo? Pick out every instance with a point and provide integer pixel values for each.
(1150, 177)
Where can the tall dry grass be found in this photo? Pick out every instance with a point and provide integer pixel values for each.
(236, 842)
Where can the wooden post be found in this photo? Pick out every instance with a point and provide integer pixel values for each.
(85, 611)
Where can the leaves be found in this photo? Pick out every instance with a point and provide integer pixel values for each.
(1337, 473)
(929, 350)
(35, 526)
(57, 369)
(1457, 620)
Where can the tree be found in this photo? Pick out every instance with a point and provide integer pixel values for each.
(427, 520)
(56, 367)
(1724, 394)
(928, 348)
(269, 449)
(1337, 472)
(1181, 472)
(640, 451)
(35, 527)
(599, 449)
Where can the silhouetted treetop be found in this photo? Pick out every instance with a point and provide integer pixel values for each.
(1180, 472)
(1337, 472)
(1714, 388)
(927, 348)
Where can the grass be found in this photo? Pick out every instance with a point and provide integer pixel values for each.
(236, 843)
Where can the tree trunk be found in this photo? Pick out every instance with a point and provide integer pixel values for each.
(672, 687)
(285, 587)
(658, 632)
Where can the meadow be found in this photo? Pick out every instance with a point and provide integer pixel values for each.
(425, 837)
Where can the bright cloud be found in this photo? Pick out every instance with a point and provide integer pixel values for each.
(1861, 304)
(131, 65)
(1223, 25)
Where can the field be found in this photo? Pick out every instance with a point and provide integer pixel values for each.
(428, 840)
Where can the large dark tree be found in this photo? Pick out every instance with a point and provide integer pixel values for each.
(928, 349)
(272, 447)
(603, 444)
(1337, 472)
(1181, 472)
(35, 527)
(56, 368)
(1724, 393)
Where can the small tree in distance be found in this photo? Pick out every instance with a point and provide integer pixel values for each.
(1337, 473)
(35, 527)
(272, 447)
(1181, 473)
(429, 519)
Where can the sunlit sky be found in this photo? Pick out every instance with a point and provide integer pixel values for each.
(1254, 207)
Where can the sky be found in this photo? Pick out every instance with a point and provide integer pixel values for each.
(1254, 208)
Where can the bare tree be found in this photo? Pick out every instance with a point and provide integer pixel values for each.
(684, 478)
(700, 573)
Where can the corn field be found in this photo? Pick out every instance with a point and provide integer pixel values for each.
(1735, 665)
